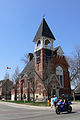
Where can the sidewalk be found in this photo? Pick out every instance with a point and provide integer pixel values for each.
(75, 104)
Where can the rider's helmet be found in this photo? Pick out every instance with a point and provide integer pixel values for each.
(62, 95)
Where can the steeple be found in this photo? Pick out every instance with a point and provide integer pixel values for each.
(44, 31)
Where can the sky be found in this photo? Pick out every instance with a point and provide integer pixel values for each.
(20, 20)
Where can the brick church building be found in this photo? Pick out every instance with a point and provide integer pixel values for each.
(46, 72)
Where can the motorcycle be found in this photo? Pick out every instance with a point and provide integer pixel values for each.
(62, 107)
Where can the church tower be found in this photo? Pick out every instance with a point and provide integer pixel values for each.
(50, 63)
(43, 47)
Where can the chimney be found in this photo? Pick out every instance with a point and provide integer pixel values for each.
(30, 56)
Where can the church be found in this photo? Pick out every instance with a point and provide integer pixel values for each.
(46, 72)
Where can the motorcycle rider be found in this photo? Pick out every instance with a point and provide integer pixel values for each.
(65, 101)
(63, 105)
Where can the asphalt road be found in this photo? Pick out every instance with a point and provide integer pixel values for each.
(11, 111)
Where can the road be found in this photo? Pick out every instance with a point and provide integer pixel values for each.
(12, 111)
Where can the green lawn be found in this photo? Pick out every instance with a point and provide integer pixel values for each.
(30, 103)
(76, 101)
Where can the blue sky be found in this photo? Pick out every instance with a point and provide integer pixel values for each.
(19, 22)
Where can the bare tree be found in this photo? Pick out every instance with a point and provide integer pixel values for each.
(6, 76)
(30, 77)
(14, 79)
(33, 88)
(7, 85)
(47, 77)
(74, 68)
(15, 75)
(25, 58)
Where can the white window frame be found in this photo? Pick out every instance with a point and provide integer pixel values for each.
(59, 73)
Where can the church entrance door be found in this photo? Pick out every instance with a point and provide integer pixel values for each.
(53, 92)
(53, 89)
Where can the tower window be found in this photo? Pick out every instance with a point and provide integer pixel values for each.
(48, 55)
(47, 42)
(38, 57)
(39, 43)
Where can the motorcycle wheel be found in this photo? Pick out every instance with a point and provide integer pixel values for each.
(58, 111)
(69, 109)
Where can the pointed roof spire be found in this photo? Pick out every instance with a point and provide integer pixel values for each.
(43, 30)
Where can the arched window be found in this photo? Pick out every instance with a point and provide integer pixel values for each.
(47, 42)
(59, 73)
(39, 43)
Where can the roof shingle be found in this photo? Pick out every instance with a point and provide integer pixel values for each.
(43, 30)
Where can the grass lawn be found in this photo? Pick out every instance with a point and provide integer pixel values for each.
(76, 101)
(30, 103)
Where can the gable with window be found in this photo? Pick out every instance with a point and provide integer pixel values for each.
(59, 73)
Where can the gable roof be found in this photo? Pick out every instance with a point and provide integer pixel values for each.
(2, 82)
(58, 50)
(43, 30)
(28, 69)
